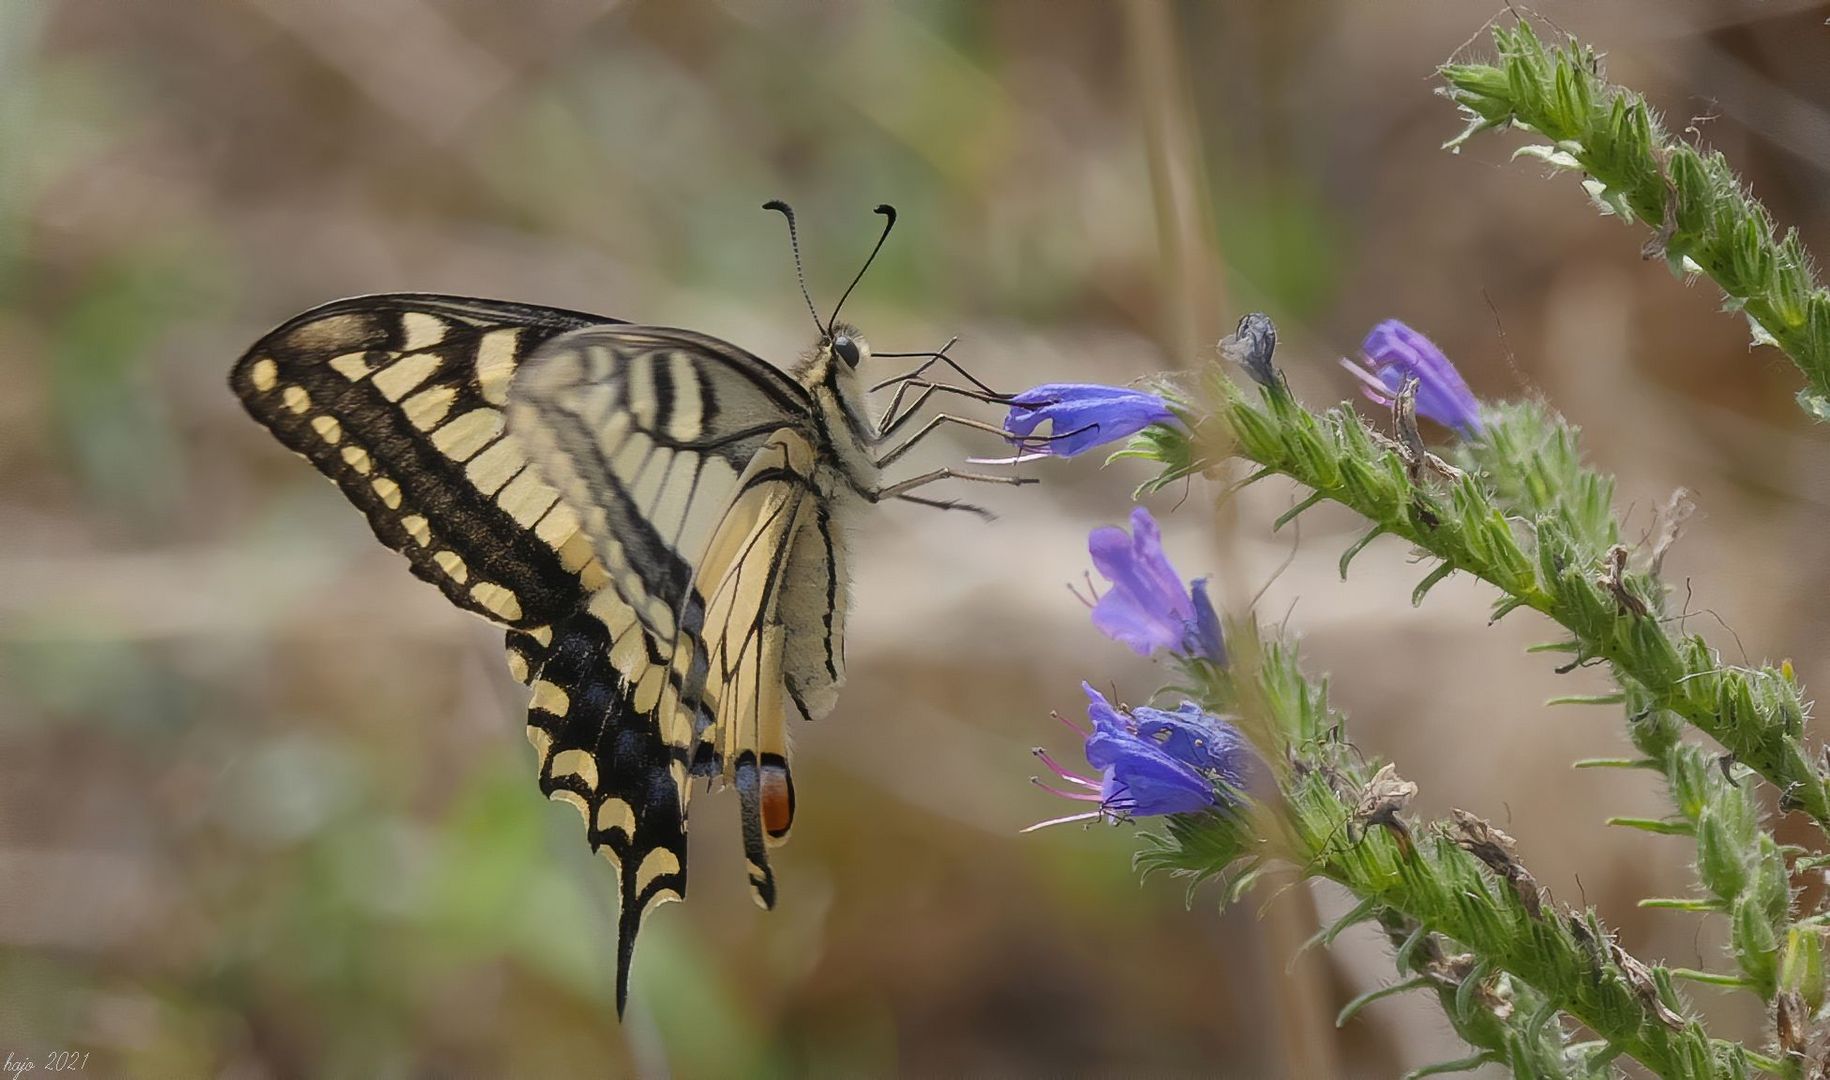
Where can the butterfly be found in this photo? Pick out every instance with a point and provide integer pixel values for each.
(656, 518)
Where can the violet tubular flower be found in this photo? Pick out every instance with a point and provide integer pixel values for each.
(1152, 762)
(1148, 608)
(1080, 416)
(1393, 353)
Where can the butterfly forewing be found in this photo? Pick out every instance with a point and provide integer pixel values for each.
(398, 399)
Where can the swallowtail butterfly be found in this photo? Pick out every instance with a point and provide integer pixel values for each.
(656, 518)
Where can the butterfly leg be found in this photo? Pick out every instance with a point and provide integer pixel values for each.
(894, 417)
(895, 414)
(928, 429)
(938, 357)
(950, 504)
(893, 421)
(897, 490)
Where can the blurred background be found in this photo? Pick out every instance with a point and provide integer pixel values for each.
(265, 805)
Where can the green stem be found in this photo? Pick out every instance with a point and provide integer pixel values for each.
(1703, 216)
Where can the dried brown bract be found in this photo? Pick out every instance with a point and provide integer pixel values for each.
(1383, 799)
(1613, 579)
(1410, 445)
(1791, 1024)
(1492, 991)
(1479, 838)
(1639, 978)
(1447, 972)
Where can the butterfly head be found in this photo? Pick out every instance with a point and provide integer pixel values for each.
(846, 345)
(833, 363)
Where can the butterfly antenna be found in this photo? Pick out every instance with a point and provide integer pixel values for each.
(889, 212)
(794, 242)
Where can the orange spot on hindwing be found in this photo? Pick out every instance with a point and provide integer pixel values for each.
(777, 798)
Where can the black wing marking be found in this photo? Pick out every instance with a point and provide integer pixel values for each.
(645, 430)
(397, 398)
(605, 756)
(526, 650)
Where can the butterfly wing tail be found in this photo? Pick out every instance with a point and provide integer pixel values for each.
(601, 753)
(651, 870)
(765, 789)
(747, 778)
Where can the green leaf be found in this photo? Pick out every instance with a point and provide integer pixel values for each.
(1423, 587)
(1587, 699)
(1366, 909)
(1654, 825)
(1679, 903)
(1358, 546)
(1348, 1010)
(1291, 514)
(1709, 978)
(1505, 606)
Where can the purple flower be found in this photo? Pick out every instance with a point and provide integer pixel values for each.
(1152, 762)
(1080, 416)
(1147, 606)
(1204, 638)
(1393, 352)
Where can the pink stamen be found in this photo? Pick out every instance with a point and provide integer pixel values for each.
(1374, 387)
(1091, 815)
(1071, 726)
(1028, 444)
(1017, 459)
(1055, 767)
(1092, 591)
(1077, 796)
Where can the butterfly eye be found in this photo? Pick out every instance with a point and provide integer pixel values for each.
(846, 349)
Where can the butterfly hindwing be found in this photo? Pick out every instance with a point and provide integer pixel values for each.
(646, 431)
(740, 585)
(606, 757)
(398, 399)
(813, 606)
